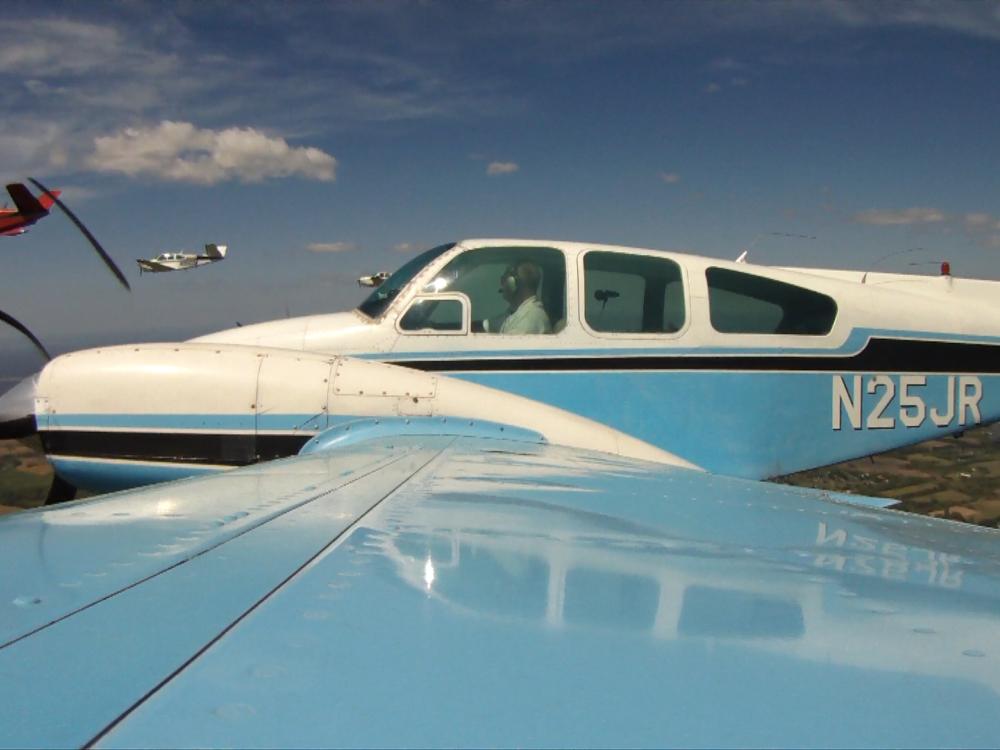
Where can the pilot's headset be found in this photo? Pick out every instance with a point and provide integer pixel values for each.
(510, 282)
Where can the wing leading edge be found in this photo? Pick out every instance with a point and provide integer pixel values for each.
(465, 590)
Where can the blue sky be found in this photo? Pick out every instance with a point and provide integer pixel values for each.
(326, 140)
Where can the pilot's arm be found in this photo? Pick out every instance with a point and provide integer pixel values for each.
(495, 324)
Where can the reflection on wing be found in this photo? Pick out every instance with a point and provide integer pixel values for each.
(467, 591)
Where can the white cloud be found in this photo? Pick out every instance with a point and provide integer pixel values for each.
(179, 151)
(725, 63)
(671, 178)
(405, 247)
(906, 216)
(332, 247)
(958, 16)
(501, 167)
(42, 46)
(713, 88)
(978, 220)
(981, 228)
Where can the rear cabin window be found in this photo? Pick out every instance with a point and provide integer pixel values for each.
(743, 303)
(626, 293)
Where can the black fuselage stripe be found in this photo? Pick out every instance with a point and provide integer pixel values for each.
(880, 355)
(172, 447)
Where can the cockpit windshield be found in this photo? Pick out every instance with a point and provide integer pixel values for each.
(382, 297)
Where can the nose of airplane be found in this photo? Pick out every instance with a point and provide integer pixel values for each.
(17, 410)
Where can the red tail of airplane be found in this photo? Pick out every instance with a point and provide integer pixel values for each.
(48, 199)
(27, 204)
(29, 209)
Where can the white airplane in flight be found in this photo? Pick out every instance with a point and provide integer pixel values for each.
(180, 261)
(515, 529)
(736, 368)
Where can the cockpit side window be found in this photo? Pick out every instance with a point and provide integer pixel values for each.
(627, 293)
(377, 302)
(744, 303)
(512, 290)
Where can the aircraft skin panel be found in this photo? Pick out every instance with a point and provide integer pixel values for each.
(112, 475)
(701, 416)
(822, 418)
(701, 409)
(157, 574)
(434, 590)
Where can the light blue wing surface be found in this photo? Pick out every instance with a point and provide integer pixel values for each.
(429, 590)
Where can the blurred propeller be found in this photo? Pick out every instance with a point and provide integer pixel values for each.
(86, 233)
(14, 323)
(17, 421)
(17, 410)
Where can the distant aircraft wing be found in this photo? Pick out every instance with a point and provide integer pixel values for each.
(441, 589)
(153, 266)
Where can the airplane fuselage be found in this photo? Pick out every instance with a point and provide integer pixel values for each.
(729, 380)
(175, 262)
(14, 223)
(738, 369)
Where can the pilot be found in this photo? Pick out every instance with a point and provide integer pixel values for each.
(525, 314)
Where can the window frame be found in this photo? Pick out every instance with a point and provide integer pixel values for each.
(581, 298)
(459, 297)
(564, 266)
(439, 254)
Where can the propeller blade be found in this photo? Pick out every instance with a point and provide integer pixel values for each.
(14, 323)
(17, 410)
(86, 233)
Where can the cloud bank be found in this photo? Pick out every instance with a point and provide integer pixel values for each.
(331, 247)
(981, 228)
(181, 152)
(906, 216)
(501, 167)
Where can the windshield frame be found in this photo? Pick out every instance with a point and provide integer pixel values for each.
(380, 300)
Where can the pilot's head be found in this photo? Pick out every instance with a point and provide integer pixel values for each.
(520, 281)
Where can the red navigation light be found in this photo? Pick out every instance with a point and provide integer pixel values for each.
(945, 268)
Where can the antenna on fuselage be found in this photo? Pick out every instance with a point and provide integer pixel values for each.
(893, 254)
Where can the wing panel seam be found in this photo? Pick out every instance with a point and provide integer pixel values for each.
(282, 584)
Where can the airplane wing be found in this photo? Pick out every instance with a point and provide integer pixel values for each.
(486, 588)
(153, 266)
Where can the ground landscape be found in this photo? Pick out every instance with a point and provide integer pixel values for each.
(955, 478)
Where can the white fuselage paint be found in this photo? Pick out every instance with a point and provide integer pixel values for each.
(129, 388)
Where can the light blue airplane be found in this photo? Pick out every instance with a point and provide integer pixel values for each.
(738, 369)
(439, 562)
